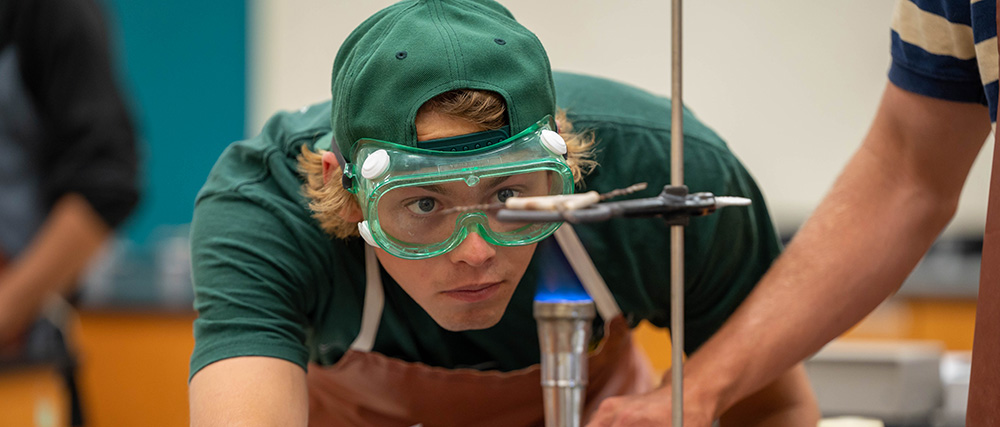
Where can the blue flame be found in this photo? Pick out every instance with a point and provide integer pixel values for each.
(557, 280)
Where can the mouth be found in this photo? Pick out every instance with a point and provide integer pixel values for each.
(475, 292)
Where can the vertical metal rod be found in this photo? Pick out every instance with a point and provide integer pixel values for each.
(677, 231)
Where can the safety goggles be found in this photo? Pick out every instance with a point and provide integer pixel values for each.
(420, 203)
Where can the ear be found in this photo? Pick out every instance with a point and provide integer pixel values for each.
(330, 166)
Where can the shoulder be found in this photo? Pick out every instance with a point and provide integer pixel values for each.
(51, 23)
(269, 159)
(608, 106)
(593, 98)
(255, 185)
(632, 132)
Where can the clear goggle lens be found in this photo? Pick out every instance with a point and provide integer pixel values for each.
(431, 219)
(425, 203)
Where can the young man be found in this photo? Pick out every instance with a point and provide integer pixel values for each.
(427, 318)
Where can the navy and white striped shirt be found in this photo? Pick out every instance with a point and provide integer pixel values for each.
(946, 49)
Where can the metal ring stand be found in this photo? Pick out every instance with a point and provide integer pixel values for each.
(676, 231)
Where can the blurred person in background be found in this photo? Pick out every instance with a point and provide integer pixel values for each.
(68, 165)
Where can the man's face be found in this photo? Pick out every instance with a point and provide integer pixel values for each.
(470, 286)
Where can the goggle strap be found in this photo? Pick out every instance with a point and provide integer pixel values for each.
(467, 142)
(346, 179)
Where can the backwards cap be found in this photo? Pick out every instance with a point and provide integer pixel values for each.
(409, 52)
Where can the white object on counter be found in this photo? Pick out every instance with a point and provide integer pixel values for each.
(895, 381)
(850, 422)
(956, 368)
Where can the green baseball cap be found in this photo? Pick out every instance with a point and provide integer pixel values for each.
(414, 50)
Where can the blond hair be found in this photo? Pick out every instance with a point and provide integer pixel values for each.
(330, 202)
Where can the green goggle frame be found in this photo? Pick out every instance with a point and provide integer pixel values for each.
(533, 162)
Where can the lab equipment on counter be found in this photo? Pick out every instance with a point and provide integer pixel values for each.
(562, 308)
(674, 204)
(898, 382)
(564, 328)
(564, 313)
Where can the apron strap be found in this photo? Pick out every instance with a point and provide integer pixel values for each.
(570, 244)
(585, 270)
(374, 302)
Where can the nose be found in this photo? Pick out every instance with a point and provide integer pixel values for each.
(473, 250)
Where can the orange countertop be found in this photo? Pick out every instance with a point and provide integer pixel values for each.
(134, 364)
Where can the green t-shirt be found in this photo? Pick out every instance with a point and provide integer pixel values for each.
(269, 282)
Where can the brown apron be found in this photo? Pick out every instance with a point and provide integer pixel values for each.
(984, 385)
(369, 389)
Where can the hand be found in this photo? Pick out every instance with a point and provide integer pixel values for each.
(650, 409)
(11, 331)
(56, 256)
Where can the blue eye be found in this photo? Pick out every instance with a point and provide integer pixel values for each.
(505, 194)
(422, 206)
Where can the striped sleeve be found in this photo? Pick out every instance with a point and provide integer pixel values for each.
(984, 31)
(934, 51)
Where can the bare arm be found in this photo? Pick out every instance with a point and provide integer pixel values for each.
(69, 237)
(891, 201)
(788, 401)
(249, 391)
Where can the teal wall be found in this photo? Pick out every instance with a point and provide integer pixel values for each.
(183, 68)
